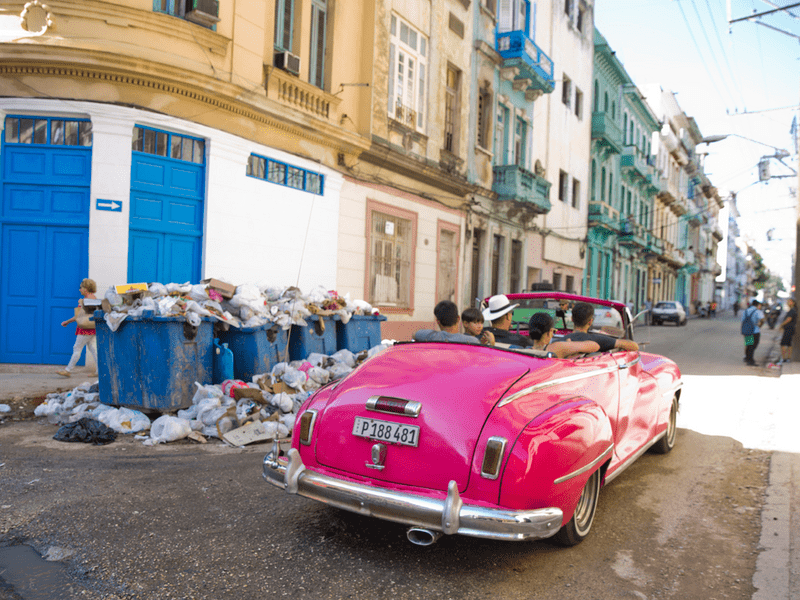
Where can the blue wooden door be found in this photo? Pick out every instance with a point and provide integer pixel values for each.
(44, 235)
(166, 218)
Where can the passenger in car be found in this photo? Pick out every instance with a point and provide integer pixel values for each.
(541, 330)
(472, 320)
(446, 315)
(499, 311)
(583, 317)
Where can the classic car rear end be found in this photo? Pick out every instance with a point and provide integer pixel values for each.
(479, 441)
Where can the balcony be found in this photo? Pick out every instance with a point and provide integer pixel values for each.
(658, 185)
(655, 244)
(512, 182)
(635, 164)
(299, 95)
(634, 235)
(607, 132)
(603, 215)
(535, 69)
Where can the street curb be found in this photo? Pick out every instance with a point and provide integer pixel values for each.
(771, 578)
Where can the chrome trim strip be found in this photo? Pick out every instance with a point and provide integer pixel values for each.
(547, 384)
(633, 457)
(411, 409)
(588, 467)
(630, 364)
(448, 514)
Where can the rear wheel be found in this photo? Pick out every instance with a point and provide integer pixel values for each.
(667, 441)
(577, 528)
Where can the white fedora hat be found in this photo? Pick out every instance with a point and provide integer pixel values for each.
(497, 307)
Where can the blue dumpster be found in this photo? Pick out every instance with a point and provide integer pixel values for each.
(153, 362)
(319, 336)
(361, 332)
(255, 349)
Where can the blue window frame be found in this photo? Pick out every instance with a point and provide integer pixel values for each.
(48, 131)
(284, 25)
(169, 145)
(285, 174)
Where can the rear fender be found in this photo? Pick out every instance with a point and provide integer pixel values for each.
(554, 455)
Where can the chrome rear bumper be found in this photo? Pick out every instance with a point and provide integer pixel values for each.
(449, 515)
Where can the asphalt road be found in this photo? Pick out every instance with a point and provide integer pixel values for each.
(191, 521)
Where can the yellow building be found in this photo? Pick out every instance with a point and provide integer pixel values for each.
(291, 142)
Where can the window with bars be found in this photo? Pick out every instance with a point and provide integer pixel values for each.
(284, 174)
(408, 62)
(484, 117)
(169, 145)
(391, 256)
(451, 109)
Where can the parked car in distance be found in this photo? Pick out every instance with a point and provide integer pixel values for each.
(503, 443)
(669, 311)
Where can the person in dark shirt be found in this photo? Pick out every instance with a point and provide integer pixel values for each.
(788, 326)
(446, 315)
(472, 321)
(583, 317)
(498, 311)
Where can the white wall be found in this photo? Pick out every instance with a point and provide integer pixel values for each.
(254, 231)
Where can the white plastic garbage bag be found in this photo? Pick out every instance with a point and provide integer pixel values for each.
(169, 429)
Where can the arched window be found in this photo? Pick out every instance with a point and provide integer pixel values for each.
(613, 110)
(596, 102)
(611, 189)
(605, 102)
(594, 178)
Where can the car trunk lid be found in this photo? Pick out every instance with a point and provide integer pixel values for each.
(456, 387)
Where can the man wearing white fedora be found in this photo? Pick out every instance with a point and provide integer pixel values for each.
(498, 311)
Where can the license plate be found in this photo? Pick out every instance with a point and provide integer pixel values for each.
(386, 431)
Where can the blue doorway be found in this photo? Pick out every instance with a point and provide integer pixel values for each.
(167, 196)
(45, 182)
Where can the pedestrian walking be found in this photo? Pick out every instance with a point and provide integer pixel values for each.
(84, 332)
(788, 326)
(752, 320)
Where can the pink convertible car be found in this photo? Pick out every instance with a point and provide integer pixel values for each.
(499, 443)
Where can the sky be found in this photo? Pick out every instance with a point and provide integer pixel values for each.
(741, 79)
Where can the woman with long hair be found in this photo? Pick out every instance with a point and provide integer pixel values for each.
(541, 331)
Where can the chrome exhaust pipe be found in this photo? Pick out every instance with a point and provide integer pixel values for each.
(422, 537)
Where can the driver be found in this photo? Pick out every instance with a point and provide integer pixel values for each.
(498, 311)
(583, 317)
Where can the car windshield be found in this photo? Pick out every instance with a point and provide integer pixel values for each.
(561, 312)
(665, 305)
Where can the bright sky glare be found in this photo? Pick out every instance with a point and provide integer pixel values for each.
(741, 79)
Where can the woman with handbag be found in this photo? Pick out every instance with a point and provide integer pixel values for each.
(84, 332)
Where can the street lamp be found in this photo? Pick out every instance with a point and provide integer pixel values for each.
(779, 152)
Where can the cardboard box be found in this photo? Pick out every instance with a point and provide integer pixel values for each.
(226, 290)
(129, 287)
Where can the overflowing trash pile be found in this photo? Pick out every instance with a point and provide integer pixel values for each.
(246, 305)
(266, 407)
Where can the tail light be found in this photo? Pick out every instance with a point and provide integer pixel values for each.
(307, 420)
(493, 457)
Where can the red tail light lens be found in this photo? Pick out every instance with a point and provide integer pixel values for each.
(394, 406)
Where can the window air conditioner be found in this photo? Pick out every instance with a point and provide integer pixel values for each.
(203, 12)
(288, 62)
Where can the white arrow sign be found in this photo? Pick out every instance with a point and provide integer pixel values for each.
(112, 205)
